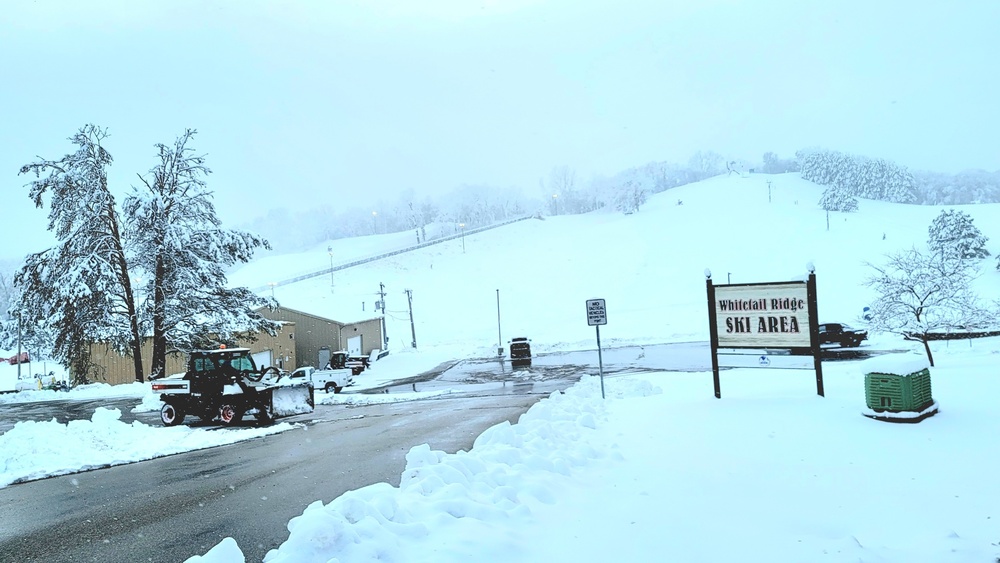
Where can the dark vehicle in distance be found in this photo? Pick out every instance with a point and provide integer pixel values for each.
(342, 360)
(840, 333)
(520, 351)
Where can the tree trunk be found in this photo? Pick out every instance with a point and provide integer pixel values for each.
(159, 315)
(126, 281)
(927, 348)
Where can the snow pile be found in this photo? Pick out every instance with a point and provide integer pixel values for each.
(32, 450)
(287, 400)
(150, 403)
(455, 506)
(90, 391)
(769, 472)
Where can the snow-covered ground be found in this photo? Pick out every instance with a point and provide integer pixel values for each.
(660, 470)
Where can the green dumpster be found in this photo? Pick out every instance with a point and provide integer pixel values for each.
(898, 388)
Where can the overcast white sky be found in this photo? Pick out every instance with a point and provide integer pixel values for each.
(351, 101)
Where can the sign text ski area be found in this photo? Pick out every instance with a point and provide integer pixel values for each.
(772, 325)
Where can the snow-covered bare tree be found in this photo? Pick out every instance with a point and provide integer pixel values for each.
(838, 199)
(81, 287)
(628, 196)
(705, 164)
(918, 294)
(953, 235)
(179, 243)
(774, 165)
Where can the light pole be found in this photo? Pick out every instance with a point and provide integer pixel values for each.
(729, 277)
(374, 225)
(462, 226)
(329, 250)
(272, 285)
(555, 204)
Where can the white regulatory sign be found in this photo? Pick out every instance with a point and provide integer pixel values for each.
(596, 313)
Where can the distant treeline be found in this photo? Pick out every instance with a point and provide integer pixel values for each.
(563, 193)
(884, 180)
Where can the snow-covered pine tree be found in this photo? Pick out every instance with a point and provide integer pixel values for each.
(843, 170)
(899, 186)
(838, 199)
(919, 294)
(81, 287)
(952, 235)
(179, 242)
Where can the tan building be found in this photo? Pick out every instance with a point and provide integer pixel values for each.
(111, 367)
(304, 339)
(316, 336)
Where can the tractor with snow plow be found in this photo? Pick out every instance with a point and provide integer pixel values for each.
(225, 385)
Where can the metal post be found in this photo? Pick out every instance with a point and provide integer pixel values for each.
(600, 360)
(499, 335)
(814, 329)
(713, 330)
(19, 344)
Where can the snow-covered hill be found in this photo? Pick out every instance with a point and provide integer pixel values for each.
(648, 266)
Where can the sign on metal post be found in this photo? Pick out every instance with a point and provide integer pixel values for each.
(596, 316)
(596, 313)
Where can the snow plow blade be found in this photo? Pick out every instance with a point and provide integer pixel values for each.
(292, 399)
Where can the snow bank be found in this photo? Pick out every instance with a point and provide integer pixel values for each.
(452, 506)
(32, 450)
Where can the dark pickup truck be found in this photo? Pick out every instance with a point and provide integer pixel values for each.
(839, 333)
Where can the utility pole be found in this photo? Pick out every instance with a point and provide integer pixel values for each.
(413, 331)
(381, 295)
(769, 191)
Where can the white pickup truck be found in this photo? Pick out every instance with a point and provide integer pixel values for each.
(330, 380)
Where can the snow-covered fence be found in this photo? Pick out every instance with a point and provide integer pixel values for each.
(358, 262)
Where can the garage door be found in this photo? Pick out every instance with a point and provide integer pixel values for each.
(262, 359)
(354, 346)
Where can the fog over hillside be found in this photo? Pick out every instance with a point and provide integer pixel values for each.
(648, 265)
(314, 108)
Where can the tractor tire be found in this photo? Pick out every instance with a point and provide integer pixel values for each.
(230, 415)
(171, 415)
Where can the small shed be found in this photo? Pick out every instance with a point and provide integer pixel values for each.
(898, 388)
